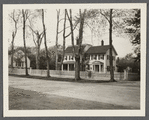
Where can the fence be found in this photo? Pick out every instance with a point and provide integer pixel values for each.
(70, 74)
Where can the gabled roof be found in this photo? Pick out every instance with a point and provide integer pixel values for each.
(70, 48)
(99, 49)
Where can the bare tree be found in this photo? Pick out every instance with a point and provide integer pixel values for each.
(108, 16)
(72, 28)
(64, 37)
(45, 42)
(37, 42)
(25, 15)
(78, 54)
(57, 32)
(15, 18)
(110, 41)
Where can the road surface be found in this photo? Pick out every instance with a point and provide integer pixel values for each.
(64, 94)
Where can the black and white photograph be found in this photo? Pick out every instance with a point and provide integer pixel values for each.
(74, 59)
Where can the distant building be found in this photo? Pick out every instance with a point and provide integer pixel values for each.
(18, 59)
(94, 58)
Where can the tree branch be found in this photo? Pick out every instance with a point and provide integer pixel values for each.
(104, 16)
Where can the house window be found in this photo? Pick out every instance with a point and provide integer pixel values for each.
(101, 68)
(95, 57)
(98, 57)
(91, 57)
(65, 57)
(107, 57)
(71, 57)
(87, 57)
(102, 57)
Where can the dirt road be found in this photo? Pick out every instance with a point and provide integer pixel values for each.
(44, 94)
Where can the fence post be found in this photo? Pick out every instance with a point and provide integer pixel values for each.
(30, 70)
(125, 74)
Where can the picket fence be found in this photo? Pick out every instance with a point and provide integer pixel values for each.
(70, 74)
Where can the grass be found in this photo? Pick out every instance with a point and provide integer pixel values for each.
(20, 99)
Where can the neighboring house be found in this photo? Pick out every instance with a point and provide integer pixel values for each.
(18, 59)
(95, 58)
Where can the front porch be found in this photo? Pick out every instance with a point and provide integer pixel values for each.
(68, 66)
(96, 66)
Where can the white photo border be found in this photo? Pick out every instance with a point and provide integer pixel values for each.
(76, 113)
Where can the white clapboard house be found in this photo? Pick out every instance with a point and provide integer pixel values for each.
(95, 58)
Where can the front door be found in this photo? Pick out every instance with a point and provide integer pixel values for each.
(97, 68)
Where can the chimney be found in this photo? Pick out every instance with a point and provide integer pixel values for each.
(102, 43)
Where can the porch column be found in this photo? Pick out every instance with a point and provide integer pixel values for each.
(62, 67)
(93, 67)
(99, 67)
(68, 67)
(90, 57)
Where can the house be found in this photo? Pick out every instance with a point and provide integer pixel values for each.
(99, 60)
(18, 59)
(95, 58)
(69, 60)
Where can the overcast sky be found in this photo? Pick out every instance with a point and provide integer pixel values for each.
(122, 44)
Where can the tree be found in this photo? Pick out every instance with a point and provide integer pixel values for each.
(25, 14)
(45, 42)
(110, 55)
(127, 61)
(37, 43)
(37, 32)
(56, 61)
(72, 27)
(133, 30)
(15, 15)
(108, 16)
(78, 54)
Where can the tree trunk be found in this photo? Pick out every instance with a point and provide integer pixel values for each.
(56, 65)
(37, 57)
(12, 50)
(77, 56)
(72, 35)
(26, 71)
(111, 57)
(77, 68)
(47, 57)
(64, 26)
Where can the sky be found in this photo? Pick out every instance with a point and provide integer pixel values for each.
(121, 44)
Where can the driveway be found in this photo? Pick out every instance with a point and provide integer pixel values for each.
(117, 93)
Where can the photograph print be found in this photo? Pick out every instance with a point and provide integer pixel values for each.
(74, 59)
